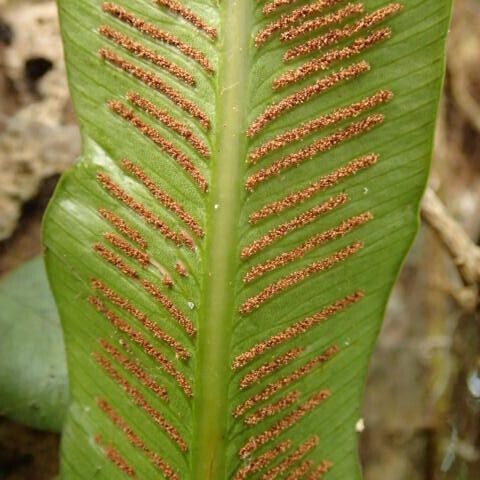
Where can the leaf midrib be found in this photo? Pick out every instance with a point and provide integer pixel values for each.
(223, 209)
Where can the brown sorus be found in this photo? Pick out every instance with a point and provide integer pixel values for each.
(327, 120)
(114, 456)
(319, 146)
(297, 222)
(155, 82)
(136, 441)
(146, 54)
(155, 33)
(300, 472)
(167, 280)
(262, 460)
(292, 459)
(184, 12)
(319, 471)
(165, 145)
(166, 200)
(292, 17)
(274, 5)
(319, 239)
(182, 320)
(144, 344)
(135, 370)
(180, 268)
(291, 280)
(137, 207)
(283, 424)
(328, 59)
(122, 227)
(321, 22)
(114, 260)
(157, 332)
(274, 387)
(126, 248)
(166, 119)
(254, 376)
(272, 409)
(298, 328)
(305, 94)
(336, 35)
(140, 401)
(323, 183)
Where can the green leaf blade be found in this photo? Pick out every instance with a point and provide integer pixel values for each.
(302, 241)
(33, 378)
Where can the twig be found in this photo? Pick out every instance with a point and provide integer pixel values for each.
(464, 252)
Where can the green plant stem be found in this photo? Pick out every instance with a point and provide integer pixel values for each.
(210, 408)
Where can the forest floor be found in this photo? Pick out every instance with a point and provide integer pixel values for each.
(421, 416)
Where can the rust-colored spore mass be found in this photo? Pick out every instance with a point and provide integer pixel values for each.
(292, 17)
(262, 460)
(136, 441)
(181, 270)
(284, 424)
(300, 472)
(316, 240)
(166, 200)
(114, 456)
(292, 225)
(156, 83)
(323, 21)
(144, 53)
(298, 133)
(156, 331)
(323, 183)
(126, 248)
(336, 35)
(184, 12)
(328, 59)
(135, 370)
(321, 145)
(274, 387)
(295, 330)
(320, 471)
(156, 34)
(291, 280)
(165, 145)
(303, 449)
(140, 401)
(166, 119)
(272, 409)
(305, 94)
(270, 367)
(182, 320)
(167, 280)
(115, 260)
(122, 227)
(177, 238)
(274, 5)
(144, 344)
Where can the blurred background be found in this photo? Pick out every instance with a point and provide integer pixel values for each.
(421, 418)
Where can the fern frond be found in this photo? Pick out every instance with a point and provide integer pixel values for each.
(223, 251)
